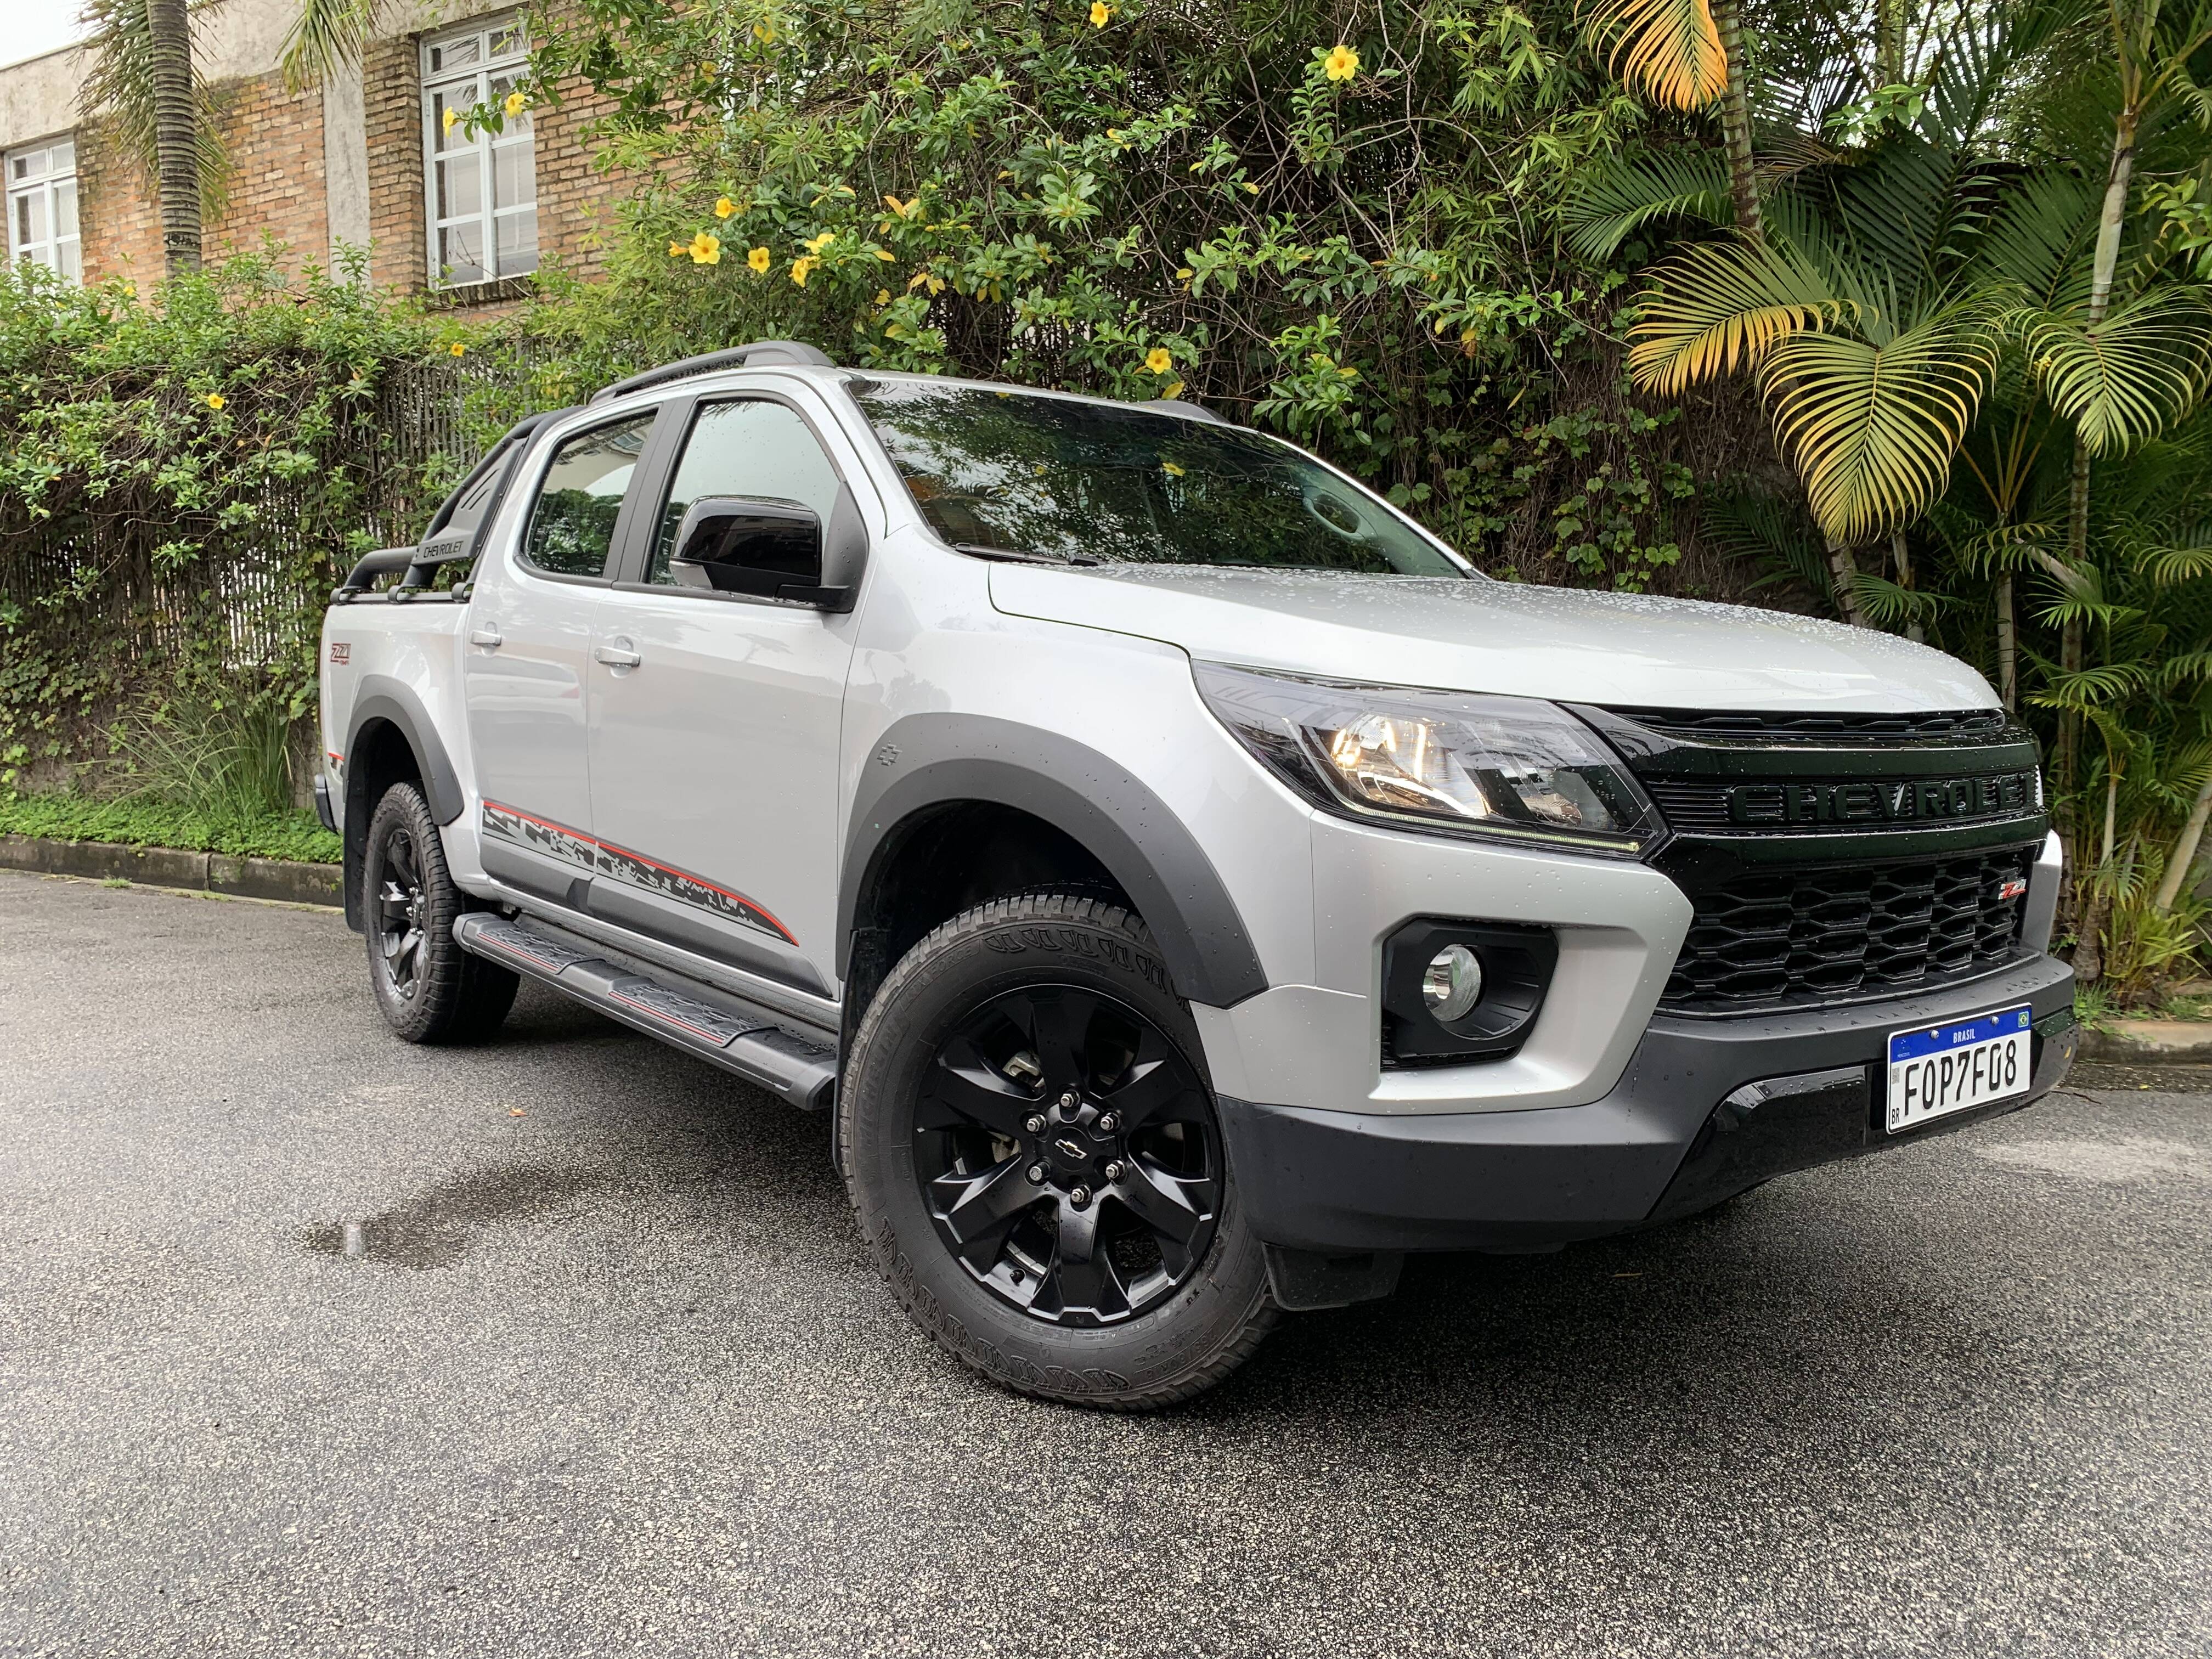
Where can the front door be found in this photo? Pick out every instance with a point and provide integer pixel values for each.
(527, 659)
(714, 751)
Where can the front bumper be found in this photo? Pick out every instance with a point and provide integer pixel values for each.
(1705, 1109)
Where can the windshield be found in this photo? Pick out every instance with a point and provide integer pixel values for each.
(1016, 474)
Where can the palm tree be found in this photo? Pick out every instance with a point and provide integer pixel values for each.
(1687, 55)
(142, 80)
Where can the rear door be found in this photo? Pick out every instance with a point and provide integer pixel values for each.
(714, 752)
(527, 656)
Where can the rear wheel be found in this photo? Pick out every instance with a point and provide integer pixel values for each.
(429, 989)
(1030, 1140)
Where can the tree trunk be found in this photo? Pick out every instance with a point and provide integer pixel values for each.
(2008, 646)
(1845, 571)
(1889, 42)
(176, 133)
(2184, 852)
(2089, 938)
(1735, 122)
(1903, 560)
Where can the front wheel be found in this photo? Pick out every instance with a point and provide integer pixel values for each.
(1029, 1139)
(429, 989)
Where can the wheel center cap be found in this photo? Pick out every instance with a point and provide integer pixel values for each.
(1070, 1151)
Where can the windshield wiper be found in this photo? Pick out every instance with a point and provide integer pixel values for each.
(1018, 556)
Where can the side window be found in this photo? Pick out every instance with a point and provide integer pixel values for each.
(756, 449)
(572, 522)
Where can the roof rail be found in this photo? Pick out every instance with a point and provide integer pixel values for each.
(759, 354)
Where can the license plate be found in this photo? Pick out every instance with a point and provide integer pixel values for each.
(1936, 1070)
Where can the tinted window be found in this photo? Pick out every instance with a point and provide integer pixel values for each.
(1013, 472)
(572, 523)
(757, 449)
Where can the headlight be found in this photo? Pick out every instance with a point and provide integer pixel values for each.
(1513, 768)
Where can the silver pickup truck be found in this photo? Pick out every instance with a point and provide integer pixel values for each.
(1189, 884)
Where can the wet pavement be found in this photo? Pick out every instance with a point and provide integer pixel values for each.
(601, 1368)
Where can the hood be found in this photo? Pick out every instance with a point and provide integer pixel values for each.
(1507, 638)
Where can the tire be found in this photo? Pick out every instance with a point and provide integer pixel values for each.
(428, 989)
(1101, 1259)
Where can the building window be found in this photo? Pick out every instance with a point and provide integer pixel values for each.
(42, 207)
(481, 188)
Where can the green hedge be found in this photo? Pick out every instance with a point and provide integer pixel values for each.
(294, 836)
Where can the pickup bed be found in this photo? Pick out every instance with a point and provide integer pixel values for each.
(1188, 883)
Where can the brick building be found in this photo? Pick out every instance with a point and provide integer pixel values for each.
(369, 159)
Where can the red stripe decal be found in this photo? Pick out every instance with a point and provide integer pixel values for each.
(731, 894)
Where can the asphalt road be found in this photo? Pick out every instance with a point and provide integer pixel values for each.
(616, 1377)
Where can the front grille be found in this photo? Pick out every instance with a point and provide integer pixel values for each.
(1778, 938)
(1969, 724)
(1799, 805)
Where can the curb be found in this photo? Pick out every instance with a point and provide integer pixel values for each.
(167, 866)
(2150, 1043)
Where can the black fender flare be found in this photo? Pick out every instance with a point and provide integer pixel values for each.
(930, 760)
(382, 697)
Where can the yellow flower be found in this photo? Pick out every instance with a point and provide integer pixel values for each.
(706, 70)
(758, 258)
(1100, 11)
(882, 296)
(1342, 64)
(215, 400)
(1172, 468)
(802, 268)
(458, 350)
(706, 249)
(724, 207)
(816, 243)
(451, 116)
(514, 103)
(1158, 361)
(764, 31)
(1173, 389)
(678, 250)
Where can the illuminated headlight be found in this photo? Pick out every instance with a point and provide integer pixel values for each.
(1512, 768)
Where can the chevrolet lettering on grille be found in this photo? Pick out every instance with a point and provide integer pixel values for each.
(1916, 800)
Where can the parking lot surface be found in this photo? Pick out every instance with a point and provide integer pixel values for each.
(615, 1376)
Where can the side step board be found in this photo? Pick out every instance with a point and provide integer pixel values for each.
(752, 1045)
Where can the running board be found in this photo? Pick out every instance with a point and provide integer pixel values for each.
(750, 1044)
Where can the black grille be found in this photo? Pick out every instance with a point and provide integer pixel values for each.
(1777, 938)
(1973, 724)
(1824, 806)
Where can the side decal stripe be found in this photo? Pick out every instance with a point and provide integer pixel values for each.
(574, 847)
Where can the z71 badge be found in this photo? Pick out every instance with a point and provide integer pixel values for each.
(341, 651)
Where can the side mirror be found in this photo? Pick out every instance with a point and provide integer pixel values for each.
(773, 548)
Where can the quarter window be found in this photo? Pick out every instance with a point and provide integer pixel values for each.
(756, 449)
(42, 207)
(572, 522)
(481, 187)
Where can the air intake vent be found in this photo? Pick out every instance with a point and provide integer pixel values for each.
(1780, 938)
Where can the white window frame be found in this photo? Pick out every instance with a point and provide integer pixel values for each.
(49, 179)
(502, 50)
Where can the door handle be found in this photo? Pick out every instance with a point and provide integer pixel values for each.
(487, 636)
(617, 655)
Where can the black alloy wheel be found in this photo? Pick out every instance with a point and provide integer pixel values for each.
(429, 989)
(399, 914)
(1068, 1155)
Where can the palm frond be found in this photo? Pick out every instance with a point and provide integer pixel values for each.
(1614, 199)
(1873, 427)
(2126, 379)
(1770, 532)
(1717, 306)
(326, 36)
(1671, 48)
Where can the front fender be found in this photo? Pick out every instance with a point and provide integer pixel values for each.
(942, 758)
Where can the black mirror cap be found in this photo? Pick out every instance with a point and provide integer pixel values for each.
(1517, 971)
(773, 549)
